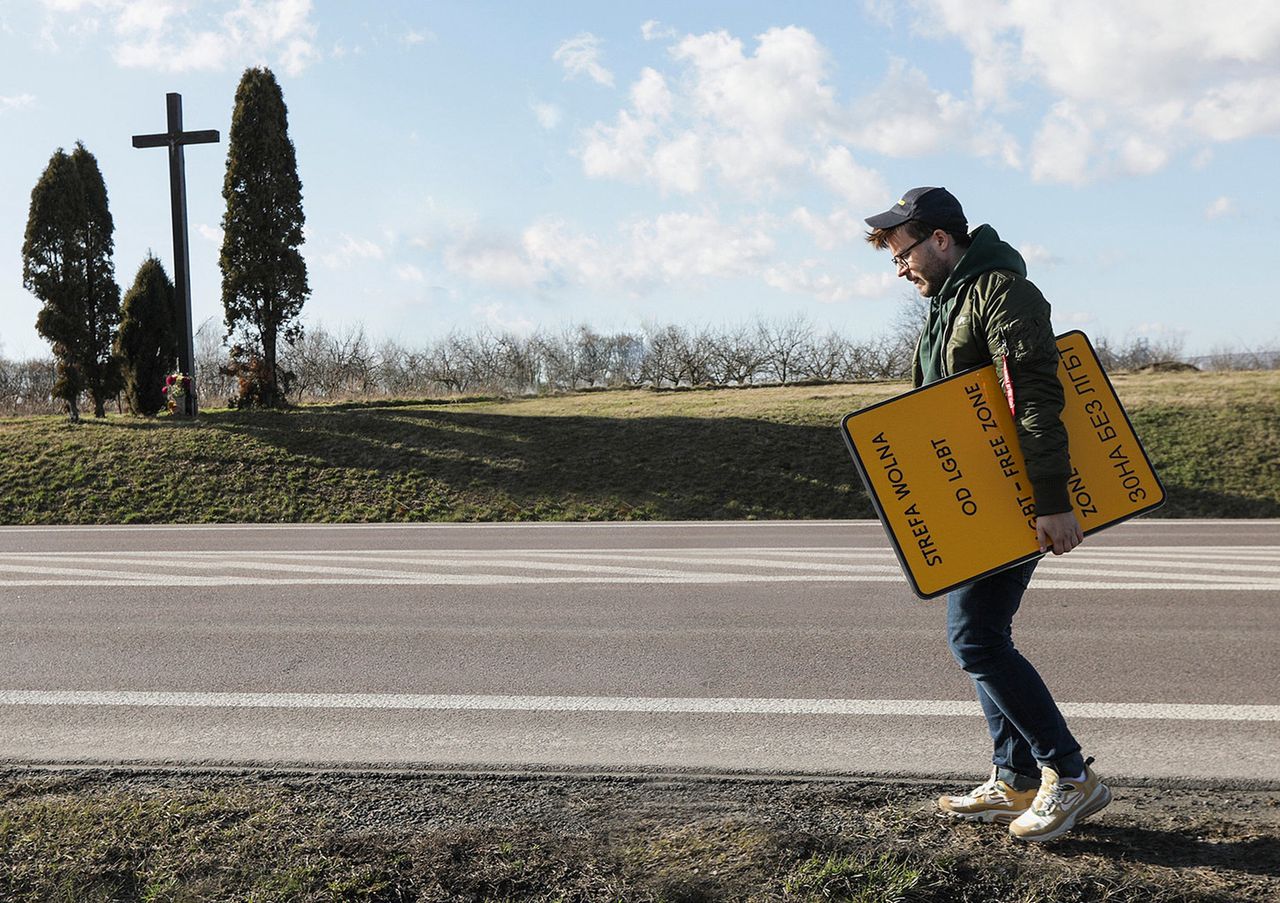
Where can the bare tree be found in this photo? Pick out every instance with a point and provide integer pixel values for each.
(736, 357)
(626, 360)
(875, 358)
(480, 356)
(1222, 357)
(211, 357)
(695, 352)
(519, 362)
(595, 357)
(825, 358)
(1135, 352)
(446, 364)
(558, 353)
(26, 387)
(783, 343)
(662, 365)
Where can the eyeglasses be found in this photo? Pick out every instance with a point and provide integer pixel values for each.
(899, 260)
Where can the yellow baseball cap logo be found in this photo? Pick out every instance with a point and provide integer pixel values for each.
(902, 202)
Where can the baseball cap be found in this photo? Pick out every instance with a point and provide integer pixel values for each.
(935, 206)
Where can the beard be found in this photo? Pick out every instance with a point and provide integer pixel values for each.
(930, 275)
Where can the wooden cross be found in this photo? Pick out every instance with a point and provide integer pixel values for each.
(175, 139)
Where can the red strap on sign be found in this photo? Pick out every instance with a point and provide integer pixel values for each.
(1008, 385)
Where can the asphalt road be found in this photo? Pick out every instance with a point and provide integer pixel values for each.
(778, 647)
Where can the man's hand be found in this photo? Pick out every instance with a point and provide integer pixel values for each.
(1061, 532)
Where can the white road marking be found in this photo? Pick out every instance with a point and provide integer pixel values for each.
(488, 525)
(1213, 565)
(668, 705)
(1218, 568)
(244, 562)
(501, 580)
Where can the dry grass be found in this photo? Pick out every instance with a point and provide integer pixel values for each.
(630, 455)
(164, 837)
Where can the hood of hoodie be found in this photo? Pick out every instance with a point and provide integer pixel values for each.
(986, 252)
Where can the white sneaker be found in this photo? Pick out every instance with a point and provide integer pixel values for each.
(994, 801)
(1060, 804)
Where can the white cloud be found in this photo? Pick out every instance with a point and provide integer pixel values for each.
(679, 246)
(409, 273)
(413, 37)
(500, 318)
(859, 186)
(677, 165)
(581, 55)
(1221, 207)
(495, 260)
(837, 228)
(672, 248)
(1037, 254)
(620, 150)
(1141, 156)
(352, 250)
(1160, 329)
(548, 115)
(1237, 110)
(752, 121)
(682, 249)
(173, 36)
(209, 233)
(759, 111)
(904, 116)
(653, 30)
(16, 102)
(1063, 147)
(806, 279)
(1130, 84)
(650, 96)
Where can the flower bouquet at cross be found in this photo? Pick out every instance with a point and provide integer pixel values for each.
(176, 388)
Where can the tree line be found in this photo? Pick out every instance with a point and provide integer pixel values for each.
(324, 365)
(105, 347)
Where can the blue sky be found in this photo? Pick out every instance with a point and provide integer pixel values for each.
(518, 165)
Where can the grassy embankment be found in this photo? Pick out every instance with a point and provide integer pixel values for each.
(94, 837)
(720, 454)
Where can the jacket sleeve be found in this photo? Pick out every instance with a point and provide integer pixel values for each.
(1023, 348)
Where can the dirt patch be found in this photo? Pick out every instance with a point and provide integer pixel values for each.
(156, 835)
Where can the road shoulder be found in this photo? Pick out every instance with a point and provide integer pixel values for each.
(513, 835)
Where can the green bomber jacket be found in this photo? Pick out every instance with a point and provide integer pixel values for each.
(993, 314)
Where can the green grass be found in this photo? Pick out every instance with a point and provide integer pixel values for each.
(179, 847)
(720, 454)
(840, 878)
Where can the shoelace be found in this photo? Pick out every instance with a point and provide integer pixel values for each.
(1049, 798)
(987, 789)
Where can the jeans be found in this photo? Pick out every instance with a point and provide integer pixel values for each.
(1026, 727)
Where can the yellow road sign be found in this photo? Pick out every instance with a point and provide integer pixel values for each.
(944, 469)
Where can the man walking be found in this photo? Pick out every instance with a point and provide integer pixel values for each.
(983, 310)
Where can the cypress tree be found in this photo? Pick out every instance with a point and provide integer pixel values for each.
(66, 263)
(148, 340)
(264, 278)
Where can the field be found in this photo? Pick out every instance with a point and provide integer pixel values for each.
(617, 455)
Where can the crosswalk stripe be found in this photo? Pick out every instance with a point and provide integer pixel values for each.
(1169, 568)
